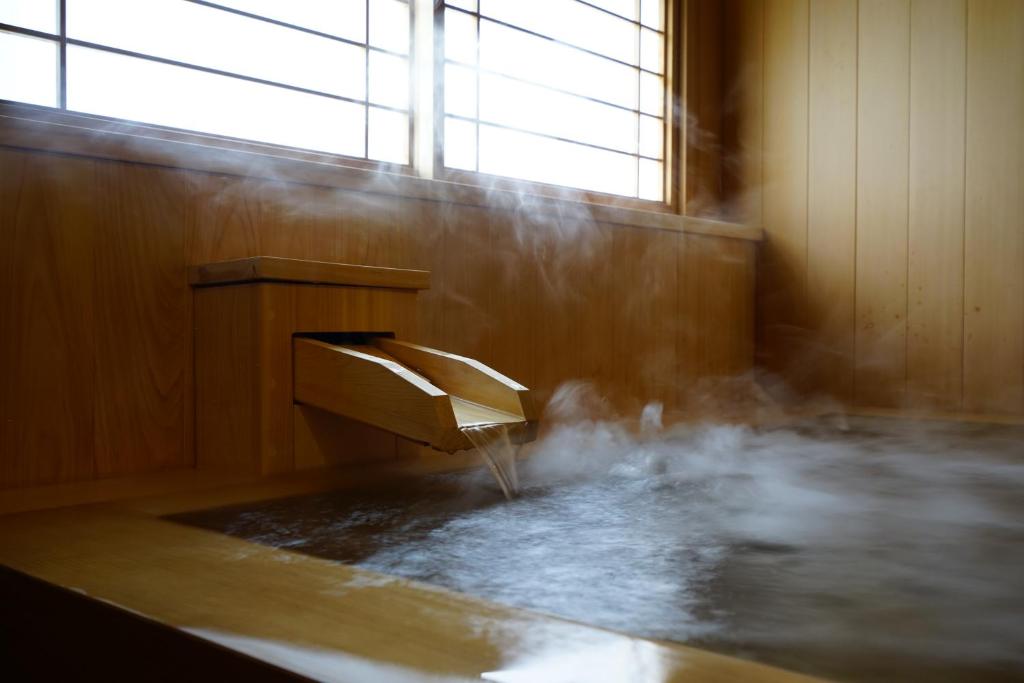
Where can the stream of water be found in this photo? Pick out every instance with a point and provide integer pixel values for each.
(498, 453)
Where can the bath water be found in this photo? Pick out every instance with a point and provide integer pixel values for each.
(863, 550)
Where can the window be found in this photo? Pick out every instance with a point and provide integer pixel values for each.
(557, 91)
(326, 76)
(562, 92)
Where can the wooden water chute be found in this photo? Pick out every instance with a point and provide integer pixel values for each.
(418, 393)
(303, 364)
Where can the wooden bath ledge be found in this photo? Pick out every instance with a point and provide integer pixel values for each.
(288, 615)
(276, 269)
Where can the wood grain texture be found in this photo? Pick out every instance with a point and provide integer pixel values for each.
(883, 144)
(533, 289)
(994, 239)
(141, 314)
(277, 269)
(831, 196)
(323, 439)
(373, 390)
(464, 377)
(645, 271)
(511, 297)
(937, 105)
(715, 336)
(782, 272)
(227, 392)
(47, 304)
(704, 108)
(742, 42)
(938, 88)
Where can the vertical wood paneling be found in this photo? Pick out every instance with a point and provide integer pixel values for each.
(831, 195)
(644, 272)
(468, 321)
(557, 298)
(935, 266)
(937, 282)
(511, 302)
(749, 102)
(704, 108)
(742, 46)
(782, 274)
(141, 311)
(994, 237)
(596, 322)
(47, 376)
(883, 140)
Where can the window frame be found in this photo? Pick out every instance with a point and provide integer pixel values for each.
(62, 42)
(671, 180)
(425, 114)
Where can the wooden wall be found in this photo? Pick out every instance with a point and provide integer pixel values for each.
(95, 312)
(888, 139)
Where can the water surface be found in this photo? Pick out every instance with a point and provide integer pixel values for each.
(858, 550)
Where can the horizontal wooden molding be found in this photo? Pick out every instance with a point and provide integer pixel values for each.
(276, 269)
(43, 129)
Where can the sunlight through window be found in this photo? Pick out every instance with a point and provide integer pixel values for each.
(557, 91)
(328, 76)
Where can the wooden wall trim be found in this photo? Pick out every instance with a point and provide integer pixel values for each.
(38, 128)
(277, 269)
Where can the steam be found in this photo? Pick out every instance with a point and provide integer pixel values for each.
(844, 547)
(871, 515)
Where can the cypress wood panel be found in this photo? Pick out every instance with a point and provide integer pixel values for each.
(831, 194)
(94, 281)
(141, 310)
(936, 232)
(883, 143)
(994, 241)
(704, 107)
(47, 305)
(935, 166)
(712, 333)
(782, 271)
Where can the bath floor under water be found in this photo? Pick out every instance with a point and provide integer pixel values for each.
(869, 550)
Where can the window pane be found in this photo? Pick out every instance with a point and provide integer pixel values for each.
(459, 90)
(459, 37)
(652, 52)
(389, 80)
(35, 81)
(571, 22)
(652, 180)
(389, 136)
(459, 144)
(344, 18)
(542, 61)
(652, 94)
(567, 92)
(652, 132)
(521, 105)
(220, 40)
(469, 5)
(139, 90)
(38, 15)
(514, 154)
(389, 25)
(652, 13)
(624, 8)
